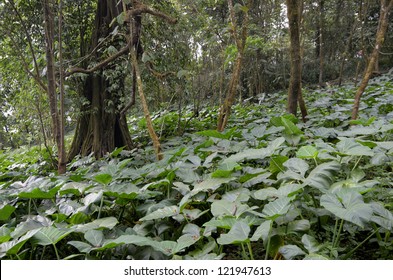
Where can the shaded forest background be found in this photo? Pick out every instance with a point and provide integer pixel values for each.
(186, 52)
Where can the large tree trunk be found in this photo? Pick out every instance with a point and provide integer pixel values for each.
(100, 128)
(295, 84)
(383, 23)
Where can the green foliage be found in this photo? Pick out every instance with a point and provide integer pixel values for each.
(270, 185)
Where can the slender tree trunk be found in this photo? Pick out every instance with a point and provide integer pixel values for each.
(386, 6)
(321, 41)
(295, 83)
(225, 110)
(61, 167)
(51, 76)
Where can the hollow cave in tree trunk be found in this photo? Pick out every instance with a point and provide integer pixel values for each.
(100, 128)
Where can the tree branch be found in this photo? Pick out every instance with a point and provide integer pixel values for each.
(100, 65)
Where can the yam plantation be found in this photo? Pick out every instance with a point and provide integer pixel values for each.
(196, 130)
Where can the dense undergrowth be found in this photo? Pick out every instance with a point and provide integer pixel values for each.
(269, 187)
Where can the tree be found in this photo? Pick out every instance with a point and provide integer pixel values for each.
(102, 126)
(240, 40)
(294, 11)
(383, 22)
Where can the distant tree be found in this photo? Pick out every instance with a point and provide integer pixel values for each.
(386, 6)
(294, 12)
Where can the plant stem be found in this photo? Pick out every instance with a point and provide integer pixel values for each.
(334, 233)
(356, 164)
(338, 234)
(268, 242)
(57, 253)
(360, 244)
(250, 250)
(101, 203)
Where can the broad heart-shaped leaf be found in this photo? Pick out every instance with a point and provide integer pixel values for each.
(348, 205)
(108, 222)
(290, 127)
(307, 152)
(83, 247)
(310, 243)
(276, 208)
(348, 146)
(277, 163)
(164, 212)
(216, 134)
(50, 235)
(322, 176)
(296, 165)
(6, 211)
(117, 151)
(223, 208)
(262, 231)
(167, 247)
(237, 234)
(95, 237)
(210, 184)
(250, 154)
(76, 188)
(13, 247)
(39, 193)
(382, 216)
(284, 191)
(103, 178)
(291, 251)
(128, 191)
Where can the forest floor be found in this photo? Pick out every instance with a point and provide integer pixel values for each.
(268, 187)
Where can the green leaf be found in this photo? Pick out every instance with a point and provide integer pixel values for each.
(38, 193)
(210, 184)
(348, 205)
(182, 73)
(103, 178)
(237, 234)
(307, 152)
(215, 134)
(117, 151)
(13, 247)
(222, 174)
(108, 222)
(223, 208)
(95, 237)
(6, 211)
(297, 165)
(161, 213)
(310, 243)
(348, 146)
(50, 235)
(81, 246)
(291, 251)
(276, 208)
(322, 176)
(277, 163)
(290, 127)
(121, 18)
(262, 231)
(127, 191)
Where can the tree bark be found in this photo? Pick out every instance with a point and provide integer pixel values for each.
(295, 83)
(101, 129)
(383, 23)
(225, 110)
(51, 87)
